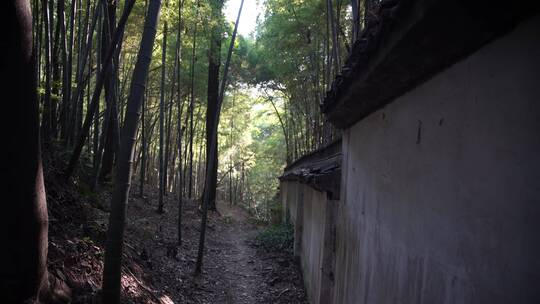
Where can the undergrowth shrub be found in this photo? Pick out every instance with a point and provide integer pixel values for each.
(276, 238)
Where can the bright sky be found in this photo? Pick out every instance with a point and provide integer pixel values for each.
(248, 19)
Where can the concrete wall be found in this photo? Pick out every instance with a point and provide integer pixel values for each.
(291, 199)
(285, 214)
(314, 222)
(313, 240)
(441, 189)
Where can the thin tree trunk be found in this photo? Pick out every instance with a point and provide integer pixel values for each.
(104, 129)
(97, 92)
(38, 37)
(64, 115)
(143, 143)
(175, 79)
(111, 97)
(186, 157)
(283, 127)
(168, 166)
(191, 104)
(198, 163)
(235, 192)
(115, 233)
(150, 162)
(180, 106)
(96, 138)
(213, 147)
(56, 71)
(335, 49)
(68, 72)
(47, 111)
(162, 119)
(231, 162)
(168, 131)
(79, 35)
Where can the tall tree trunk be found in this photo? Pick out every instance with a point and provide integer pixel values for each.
(115, 233)
(77, 42)
(231, 161)
(64, 113)
(213, 147)
(171, 143)
(68, 72)
(111, 133)
(56, 70)
(175, 79)
(168, 130)
(180, 107)
(214, 61)
(23, 220)
(47, 111)
(335, 46)
(192, 103)
(162, 119)
(199, 161)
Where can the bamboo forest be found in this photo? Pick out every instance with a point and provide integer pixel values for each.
(165, 102)
(268, 151)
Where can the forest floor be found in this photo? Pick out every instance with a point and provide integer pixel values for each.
(155, 268)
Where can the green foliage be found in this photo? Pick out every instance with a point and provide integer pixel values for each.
(277, 71)
(276, 238)
(251, 145)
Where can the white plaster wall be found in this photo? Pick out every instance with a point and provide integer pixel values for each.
(291, 195)
(313, 240)
(285, 214)
(441, 189)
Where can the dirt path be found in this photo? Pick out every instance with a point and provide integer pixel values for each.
(155, 269)
(234, 270)
(241, 272)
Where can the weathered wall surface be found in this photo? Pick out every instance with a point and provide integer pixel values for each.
(314, 223)
(441, 189)
(285, 214)
(289, 193)
(313, 240)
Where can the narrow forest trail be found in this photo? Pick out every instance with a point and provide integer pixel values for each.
(238, 256)
(154, 268)
(234, 270)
